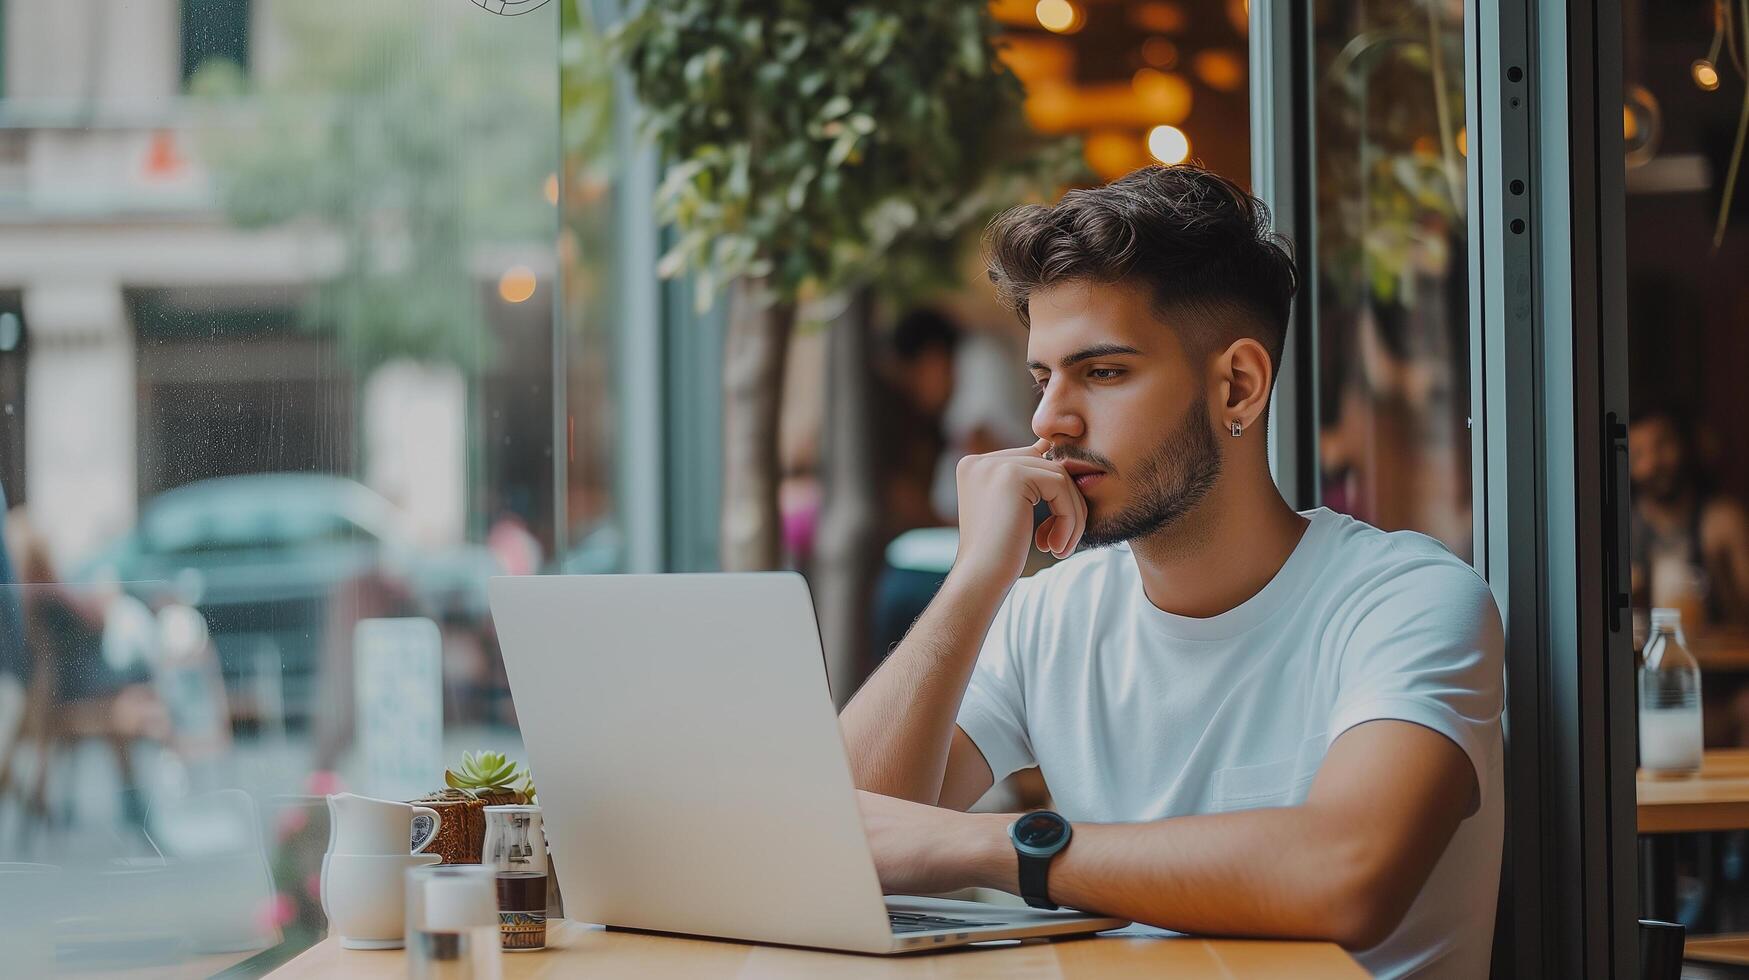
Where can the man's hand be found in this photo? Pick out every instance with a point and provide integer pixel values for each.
(997, 493)
(926, 850)
(900, 728)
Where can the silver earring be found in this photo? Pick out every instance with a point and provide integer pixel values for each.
(1237, 428)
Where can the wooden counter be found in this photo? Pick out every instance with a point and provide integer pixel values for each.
(577, 950)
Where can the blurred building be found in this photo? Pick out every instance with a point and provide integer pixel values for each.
(121, 281)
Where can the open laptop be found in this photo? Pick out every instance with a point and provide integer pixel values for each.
(691, 771)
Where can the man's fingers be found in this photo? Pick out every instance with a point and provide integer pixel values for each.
(1036, 450)
(1069, 504)
(1058, 492)
(1041, 538)
(1070, 530)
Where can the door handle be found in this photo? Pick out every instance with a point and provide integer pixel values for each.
(1617, 570)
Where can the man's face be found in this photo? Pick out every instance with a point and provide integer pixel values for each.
(1123, 408)
(1655, 459)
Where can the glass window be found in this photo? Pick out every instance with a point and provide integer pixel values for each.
(1685, 213)
(1686, 216)
(304, 326)
(214, 30)
(1392, 318)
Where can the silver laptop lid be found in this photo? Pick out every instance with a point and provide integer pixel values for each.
(688, 757)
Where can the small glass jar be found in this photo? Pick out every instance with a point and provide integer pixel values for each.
(452, 923)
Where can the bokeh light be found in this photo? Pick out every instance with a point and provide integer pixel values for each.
(1058, 16)
(1168, 144)
(516, 284)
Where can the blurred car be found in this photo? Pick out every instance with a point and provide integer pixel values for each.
(261, 556)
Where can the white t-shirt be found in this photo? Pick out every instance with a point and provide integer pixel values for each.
(1135, 714)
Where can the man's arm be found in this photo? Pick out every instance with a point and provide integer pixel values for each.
(899, 728)
(1344, 866)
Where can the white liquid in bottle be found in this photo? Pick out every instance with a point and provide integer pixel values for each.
(1669, 682)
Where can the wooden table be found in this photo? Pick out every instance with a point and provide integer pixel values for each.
(577, 950)
(1716, 798)
(193, 968)
(1732, 949)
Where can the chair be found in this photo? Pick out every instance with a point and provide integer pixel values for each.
(1661, 950)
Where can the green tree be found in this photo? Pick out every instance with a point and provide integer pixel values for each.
(416, 133)
(813, 147)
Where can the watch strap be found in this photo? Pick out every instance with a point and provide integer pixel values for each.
(1035, 884)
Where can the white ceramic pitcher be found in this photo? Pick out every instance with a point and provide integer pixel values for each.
(361, 825)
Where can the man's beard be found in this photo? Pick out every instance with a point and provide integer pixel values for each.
(1168, 484)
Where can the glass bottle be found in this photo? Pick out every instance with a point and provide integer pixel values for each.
(1670, 729)
(516, 849)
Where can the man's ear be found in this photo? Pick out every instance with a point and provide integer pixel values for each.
(1244, 376)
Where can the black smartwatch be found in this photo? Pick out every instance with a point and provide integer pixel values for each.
(1038, 837)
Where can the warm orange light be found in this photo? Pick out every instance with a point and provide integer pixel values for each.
(1113, 152)
(1463, 142)
(1706, 75)
(1630, 127)
(1158, 16)
(516, 284)
(1159, 52)
(1168, 144)
(1164, 96)
(552, 189)
(1058, 16)
(1055, 107)
(1220, 70)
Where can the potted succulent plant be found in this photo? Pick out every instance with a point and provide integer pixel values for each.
(492, 778)
(482, 779)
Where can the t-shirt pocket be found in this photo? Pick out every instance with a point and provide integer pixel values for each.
(1284, 782)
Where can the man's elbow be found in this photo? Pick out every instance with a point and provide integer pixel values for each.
(1364, 911)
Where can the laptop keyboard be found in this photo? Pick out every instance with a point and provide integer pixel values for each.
(918, 922)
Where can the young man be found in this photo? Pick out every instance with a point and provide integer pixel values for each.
(1255, 722)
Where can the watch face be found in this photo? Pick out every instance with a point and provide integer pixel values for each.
(1041, 830)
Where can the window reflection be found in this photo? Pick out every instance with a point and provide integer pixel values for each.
(1392, 297)
(281, 357)
(1685, 217)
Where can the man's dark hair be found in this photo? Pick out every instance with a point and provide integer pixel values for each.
(1199, 244)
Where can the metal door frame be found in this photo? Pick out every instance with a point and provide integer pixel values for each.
(1548, 393)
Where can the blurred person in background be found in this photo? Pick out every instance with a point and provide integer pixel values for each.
(800, 497)
(1690, 543)
(1690, 552)
(917, 381)
(74, 691)
(916, 385)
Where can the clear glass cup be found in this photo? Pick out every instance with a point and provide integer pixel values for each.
(452, 923)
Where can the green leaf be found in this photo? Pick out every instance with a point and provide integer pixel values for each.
(836, 106)
(790, 148)
(841, 149)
